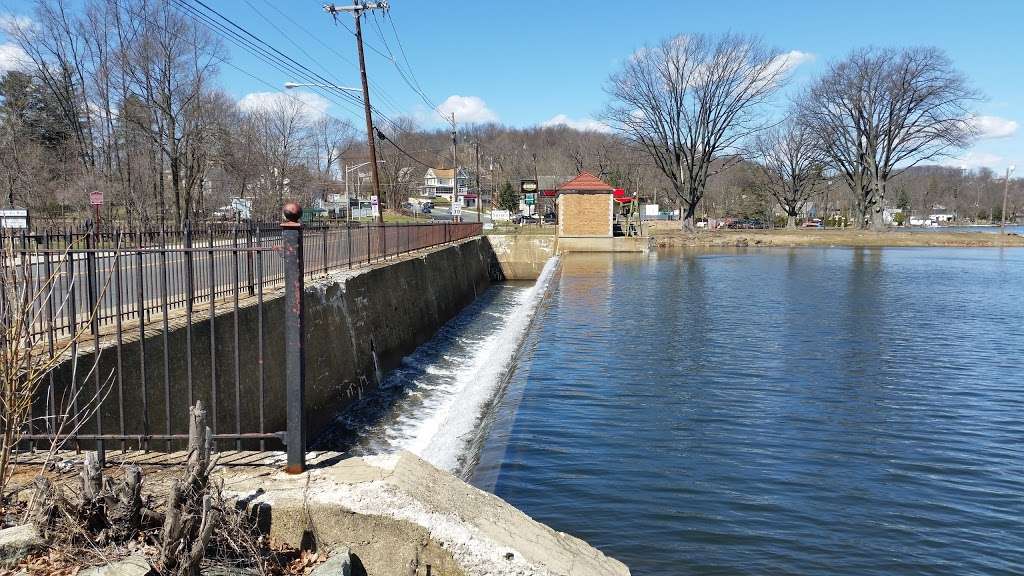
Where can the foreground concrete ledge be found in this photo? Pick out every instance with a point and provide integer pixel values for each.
(398, 514)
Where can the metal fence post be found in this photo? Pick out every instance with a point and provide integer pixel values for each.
(294, 338)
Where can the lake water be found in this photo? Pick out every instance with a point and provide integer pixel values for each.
(807, 411)
(804, 411)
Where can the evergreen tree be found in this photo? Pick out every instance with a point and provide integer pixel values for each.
(507, 198)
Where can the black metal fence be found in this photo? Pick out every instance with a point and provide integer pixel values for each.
(98, 295)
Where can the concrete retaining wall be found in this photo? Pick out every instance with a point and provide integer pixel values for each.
(521, 257)
(359, 324)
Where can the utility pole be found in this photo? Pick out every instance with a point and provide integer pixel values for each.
(455, 162)
(357, 9)
(479, 193)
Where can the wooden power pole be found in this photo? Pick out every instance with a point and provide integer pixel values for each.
(479, 193)
(357, 9)
(455, 162)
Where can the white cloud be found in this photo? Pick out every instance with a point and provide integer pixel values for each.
(975, 159)
(783, 65)
(584, 124)
(15, 22)
(794, 58)
(994, 127)
(12, 57)
(313, 105)
(467, 109)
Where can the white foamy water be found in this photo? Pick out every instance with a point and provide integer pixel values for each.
(434, 403)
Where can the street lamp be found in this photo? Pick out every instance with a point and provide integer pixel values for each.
(348, 195)
(293, 85)
(1006, 191)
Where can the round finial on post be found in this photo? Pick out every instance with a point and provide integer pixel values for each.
(292, 213)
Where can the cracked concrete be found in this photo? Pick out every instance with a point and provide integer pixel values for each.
(398, 511)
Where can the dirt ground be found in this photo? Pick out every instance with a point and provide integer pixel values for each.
(667, 234)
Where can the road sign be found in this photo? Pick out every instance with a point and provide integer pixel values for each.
(14, 219)
(96, 198)
(530, 199)
(456, 209)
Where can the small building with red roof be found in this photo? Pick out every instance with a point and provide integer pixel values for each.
(586, 207)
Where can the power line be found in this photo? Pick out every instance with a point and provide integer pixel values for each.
(263, 50)
(414, 83)
(383, 136)
(274, 57)
(180, 35)
(316, 37)
(390, 57)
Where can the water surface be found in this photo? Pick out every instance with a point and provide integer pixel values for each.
(804, 411)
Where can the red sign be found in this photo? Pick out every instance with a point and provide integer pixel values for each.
(96, 198)
(549, 193)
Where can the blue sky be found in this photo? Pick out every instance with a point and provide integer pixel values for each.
(527, 63)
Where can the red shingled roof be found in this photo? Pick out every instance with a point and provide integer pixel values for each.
(585, 182)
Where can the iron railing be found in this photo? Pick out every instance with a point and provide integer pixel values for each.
(103, 276)
(155, 321)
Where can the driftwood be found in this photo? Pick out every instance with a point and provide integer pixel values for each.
(191, 514)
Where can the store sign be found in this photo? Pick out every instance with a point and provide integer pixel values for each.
(14, 219)
(530, 199)
(527, 186)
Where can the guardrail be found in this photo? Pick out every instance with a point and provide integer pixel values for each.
(89, 291)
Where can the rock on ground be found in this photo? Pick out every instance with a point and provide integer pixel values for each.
(339, 563)
(17, 543)
(131, 566)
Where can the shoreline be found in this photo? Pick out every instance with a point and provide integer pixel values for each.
(784, 238)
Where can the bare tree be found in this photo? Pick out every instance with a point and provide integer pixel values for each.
(693, 100)
(881, 111)
(791, 165)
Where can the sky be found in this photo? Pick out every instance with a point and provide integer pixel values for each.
(536, 63)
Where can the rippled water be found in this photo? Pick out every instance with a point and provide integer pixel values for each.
(806, 411)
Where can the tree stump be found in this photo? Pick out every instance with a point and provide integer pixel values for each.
(191, 514)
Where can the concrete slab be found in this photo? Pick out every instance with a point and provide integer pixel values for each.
(398, 512)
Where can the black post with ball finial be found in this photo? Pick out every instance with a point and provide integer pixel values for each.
(294, 337)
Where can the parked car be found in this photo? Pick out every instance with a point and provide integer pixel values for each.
(815, 223)
(550, 218)
(426, 208)
(525, 219)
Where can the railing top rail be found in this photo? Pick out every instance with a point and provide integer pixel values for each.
(149, 250)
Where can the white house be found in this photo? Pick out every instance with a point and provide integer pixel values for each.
(438, 182)
(889, 214)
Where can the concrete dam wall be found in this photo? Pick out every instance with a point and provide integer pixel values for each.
(359, 324)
